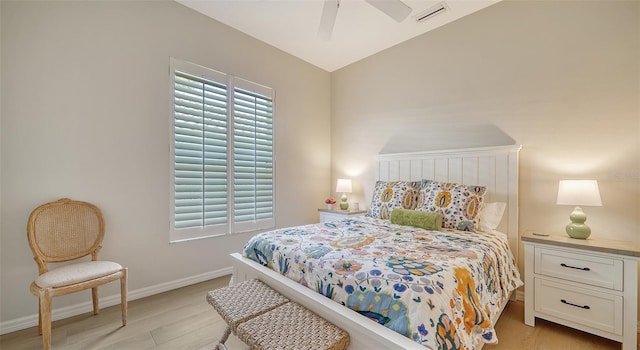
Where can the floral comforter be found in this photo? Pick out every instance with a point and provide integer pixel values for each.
(441, 289)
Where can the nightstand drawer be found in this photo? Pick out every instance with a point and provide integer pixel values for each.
(590, 308)
(335, 215)
(583, 268)
(331, 217)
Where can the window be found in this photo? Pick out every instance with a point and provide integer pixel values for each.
(222, 154)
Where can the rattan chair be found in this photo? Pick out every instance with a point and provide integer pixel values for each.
(68, 230)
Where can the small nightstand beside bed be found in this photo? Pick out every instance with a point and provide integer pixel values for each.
(590, 285)
(396, 286)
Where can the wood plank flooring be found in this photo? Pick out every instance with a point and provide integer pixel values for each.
(182, 319)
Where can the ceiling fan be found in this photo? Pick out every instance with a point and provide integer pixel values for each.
(395, 9)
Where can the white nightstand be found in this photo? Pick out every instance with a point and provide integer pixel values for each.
(590, 285)
(333, 215)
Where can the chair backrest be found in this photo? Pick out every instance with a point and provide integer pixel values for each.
(64, 230)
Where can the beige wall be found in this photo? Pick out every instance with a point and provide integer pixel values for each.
(86, 114)
(560, 78)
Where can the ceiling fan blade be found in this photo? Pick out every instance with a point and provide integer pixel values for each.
(328, 19)
(395, 9)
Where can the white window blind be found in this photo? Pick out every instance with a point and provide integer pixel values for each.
(253, 157)
(222, 154)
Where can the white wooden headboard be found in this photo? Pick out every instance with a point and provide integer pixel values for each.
(493, 167)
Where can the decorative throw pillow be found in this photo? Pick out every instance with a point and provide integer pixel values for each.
(458, 204)
(490, 216)
(389, 195)
(427, 220)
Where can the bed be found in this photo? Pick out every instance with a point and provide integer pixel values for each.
(430, 289)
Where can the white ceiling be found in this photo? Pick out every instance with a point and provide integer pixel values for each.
(360, 29)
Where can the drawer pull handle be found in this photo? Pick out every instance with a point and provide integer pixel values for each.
(586, 307)
(577, 268)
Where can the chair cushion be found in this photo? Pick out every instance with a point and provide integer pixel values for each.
(76, 273)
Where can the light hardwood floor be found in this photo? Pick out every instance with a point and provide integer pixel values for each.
(182, 319)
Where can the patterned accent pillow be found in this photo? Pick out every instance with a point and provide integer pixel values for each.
(389, 195)
(459, 205)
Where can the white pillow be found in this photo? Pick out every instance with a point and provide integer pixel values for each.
(491, 215)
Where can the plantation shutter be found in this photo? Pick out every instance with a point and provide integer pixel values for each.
(253, 156)
(222, 154)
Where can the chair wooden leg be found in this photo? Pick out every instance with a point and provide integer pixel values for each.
(45, 315)
(123, 294)
(39, 315)
(94, 297)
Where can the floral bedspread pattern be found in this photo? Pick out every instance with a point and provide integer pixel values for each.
(441, 289)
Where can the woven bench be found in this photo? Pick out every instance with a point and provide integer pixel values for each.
(241, 302)
(266, 320)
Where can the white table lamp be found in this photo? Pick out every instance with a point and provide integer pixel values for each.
(579, 193)
(344, 186)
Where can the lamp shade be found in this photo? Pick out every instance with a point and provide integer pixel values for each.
(579, 192)
(343, 186)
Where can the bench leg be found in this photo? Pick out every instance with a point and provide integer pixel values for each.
(220, 345)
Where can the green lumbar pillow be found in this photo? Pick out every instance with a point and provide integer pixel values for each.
(427, 220)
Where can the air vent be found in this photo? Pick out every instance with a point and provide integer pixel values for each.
(431, 12)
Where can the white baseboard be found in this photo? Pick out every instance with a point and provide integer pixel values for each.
(73, 310)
